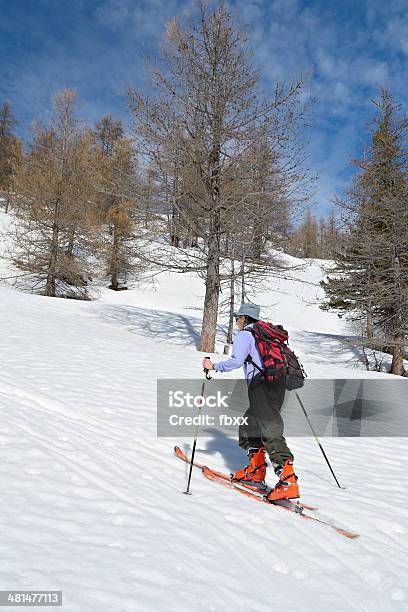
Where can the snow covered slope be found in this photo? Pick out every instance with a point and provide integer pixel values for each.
(91, 500)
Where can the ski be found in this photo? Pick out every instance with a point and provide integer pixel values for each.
(297, 508)
(291, 507)
(258, 492)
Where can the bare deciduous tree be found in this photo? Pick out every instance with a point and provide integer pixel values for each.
(206, 114)
(54, 207)
(116, 198)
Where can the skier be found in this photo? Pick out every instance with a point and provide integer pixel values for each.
(265, 425)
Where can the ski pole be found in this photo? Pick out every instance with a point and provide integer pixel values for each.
(206, 377)
(317, 440)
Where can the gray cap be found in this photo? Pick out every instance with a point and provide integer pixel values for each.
(249, 310)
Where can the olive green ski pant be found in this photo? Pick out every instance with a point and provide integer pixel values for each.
(264, 422)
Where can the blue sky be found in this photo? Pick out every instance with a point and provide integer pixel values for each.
(97, 47)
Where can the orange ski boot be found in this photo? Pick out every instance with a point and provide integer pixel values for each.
(254, 473)
(287, 487)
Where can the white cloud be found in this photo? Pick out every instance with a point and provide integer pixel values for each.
(374, 73)
(352, 53)
(113, 14)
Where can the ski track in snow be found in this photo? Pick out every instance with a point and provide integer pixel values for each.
(91, 500)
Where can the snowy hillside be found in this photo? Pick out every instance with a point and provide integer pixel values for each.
(92, 501)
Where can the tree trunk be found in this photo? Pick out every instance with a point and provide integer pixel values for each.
(175, 215)
(370, 323)
(174, 237)
(174, 240)
(212, 288)
(243, 280)
(397, 365)
(71, 242)
(52, 263)
(115, 259)
(232, 304)
(258, 241)
(212, 283)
